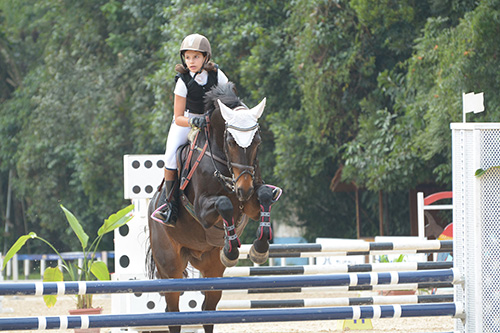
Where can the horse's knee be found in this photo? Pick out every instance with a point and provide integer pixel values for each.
(265, 195)
(223, 203)
(224, 207)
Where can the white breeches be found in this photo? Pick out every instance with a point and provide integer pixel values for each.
(177, 136)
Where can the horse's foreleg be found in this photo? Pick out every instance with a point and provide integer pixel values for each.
(259, 252)
(172, 300)
(230, 253)
(210, 267)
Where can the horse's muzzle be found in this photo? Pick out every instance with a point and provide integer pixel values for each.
(244, 194)
(243, 183)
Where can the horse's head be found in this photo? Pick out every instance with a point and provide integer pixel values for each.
(241, 142)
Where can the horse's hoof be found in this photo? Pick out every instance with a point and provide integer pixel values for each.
(257, 257)
(226, 261)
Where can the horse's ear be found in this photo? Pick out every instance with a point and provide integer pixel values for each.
(227, 113)
(257, 110)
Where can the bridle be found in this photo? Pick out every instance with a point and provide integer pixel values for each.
(229, 183)
(246, 169)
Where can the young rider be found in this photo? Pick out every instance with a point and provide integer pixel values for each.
(196, 75)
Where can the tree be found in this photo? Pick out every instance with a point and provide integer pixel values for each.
(371, 86)
(447, 61)
(83, 103)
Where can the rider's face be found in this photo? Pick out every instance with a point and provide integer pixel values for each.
(194, 60)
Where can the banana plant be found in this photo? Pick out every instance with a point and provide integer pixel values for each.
(90, 268)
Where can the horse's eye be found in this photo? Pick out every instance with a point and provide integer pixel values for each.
(231, 142)
(257, 139)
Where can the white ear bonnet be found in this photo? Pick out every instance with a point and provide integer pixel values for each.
(242, 122)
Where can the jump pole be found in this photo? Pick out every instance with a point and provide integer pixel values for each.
(338, 268)
(335, 301)
(227, 283)
(362, 248)
(227, 317)
(343, 289)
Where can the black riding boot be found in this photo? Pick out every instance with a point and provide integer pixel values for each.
(168, 214)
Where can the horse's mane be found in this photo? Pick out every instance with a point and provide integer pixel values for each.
(227, 95)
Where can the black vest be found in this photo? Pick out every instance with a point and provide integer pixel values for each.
(195, 92)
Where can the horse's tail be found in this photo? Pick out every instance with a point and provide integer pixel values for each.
(150, 266)
(150, 263)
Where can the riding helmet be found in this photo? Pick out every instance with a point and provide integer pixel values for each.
(196, 42)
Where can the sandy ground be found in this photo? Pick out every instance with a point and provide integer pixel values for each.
(27, 306)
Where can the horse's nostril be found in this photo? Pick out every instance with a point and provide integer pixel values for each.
(244, 194)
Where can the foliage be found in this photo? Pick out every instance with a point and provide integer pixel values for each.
(447, 61)
(90, 266)
(381, 155)
(370, 86)
(83, 104)
(385, 259)
(480, 172)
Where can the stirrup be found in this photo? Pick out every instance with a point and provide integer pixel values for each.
(163, 215)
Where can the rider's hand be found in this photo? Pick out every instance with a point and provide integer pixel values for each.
(199, 122)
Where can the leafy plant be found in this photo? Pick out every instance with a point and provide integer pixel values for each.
(385, 259)
(90, 268)
(479, 172)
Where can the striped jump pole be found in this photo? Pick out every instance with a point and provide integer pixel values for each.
(226, 317)
(358, 248)
(227, 283)
(340, 301)
(342, 289)
(338, 268)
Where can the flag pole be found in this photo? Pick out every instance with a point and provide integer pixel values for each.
(463, 107)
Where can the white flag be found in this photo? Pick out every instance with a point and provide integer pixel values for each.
(473, 102)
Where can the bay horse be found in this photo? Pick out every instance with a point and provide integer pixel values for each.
(220, 190)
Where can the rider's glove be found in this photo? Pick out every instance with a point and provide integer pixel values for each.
(199, 122)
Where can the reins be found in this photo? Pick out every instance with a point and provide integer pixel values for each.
(226, 182)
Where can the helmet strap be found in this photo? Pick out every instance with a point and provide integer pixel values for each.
(182, 59)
